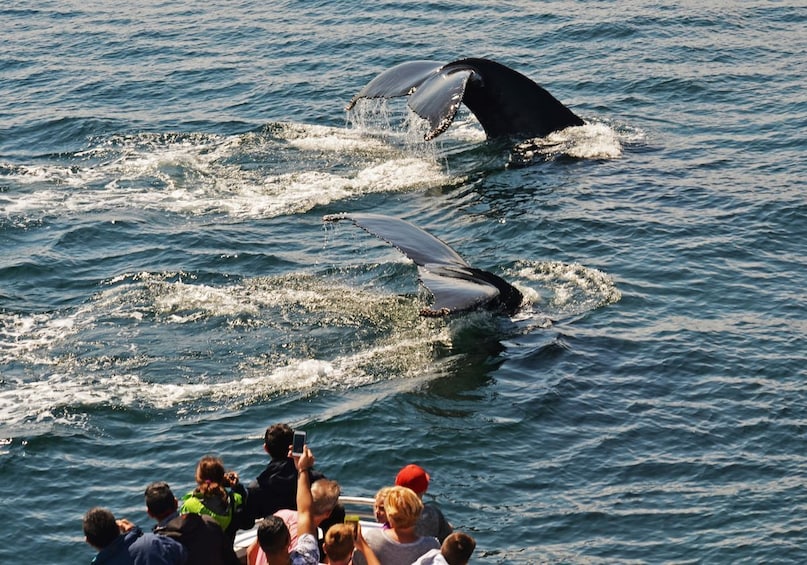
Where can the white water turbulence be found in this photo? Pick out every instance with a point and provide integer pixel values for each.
(561, 290)
(74, 351)
(245, 176)
(360, 336)
(393, 120)
(595, 140)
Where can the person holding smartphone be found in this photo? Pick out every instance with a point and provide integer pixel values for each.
(276, 487)
(273, 534)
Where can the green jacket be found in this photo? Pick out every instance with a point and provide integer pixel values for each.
(194, 504)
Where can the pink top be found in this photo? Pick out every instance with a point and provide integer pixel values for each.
(290, 518)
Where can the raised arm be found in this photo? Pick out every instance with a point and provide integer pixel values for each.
(305, 520)
(361, 545)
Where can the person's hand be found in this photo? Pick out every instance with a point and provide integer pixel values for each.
(359, 542)
(124, 525)
(231, 477)
(305, 461)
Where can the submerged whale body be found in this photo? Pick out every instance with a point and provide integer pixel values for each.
(505, 102)
(455, 285)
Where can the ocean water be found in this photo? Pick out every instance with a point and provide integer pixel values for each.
(168, 288)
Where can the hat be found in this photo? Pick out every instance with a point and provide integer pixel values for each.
(413, 477)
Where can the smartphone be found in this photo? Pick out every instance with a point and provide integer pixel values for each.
(298, 443)
(353, 520)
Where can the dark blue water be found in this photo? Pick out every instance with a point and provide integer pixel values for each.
(168, 289)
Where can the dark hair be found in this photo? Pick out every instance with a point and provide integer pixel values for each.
(211, 478)
(457, 548)
(100, 527)
(277, 439)
(160, 501)
(273, 535)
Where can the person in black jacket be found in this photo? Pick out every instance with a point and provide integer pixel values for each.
(276, 487)
(201, 535)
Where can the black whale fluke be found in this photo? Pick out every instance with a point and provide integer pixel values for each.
(505, 102)
(455, 285)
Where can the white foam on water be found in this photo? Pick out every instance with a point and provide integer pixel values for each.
(406, 354)
(465, 128)
(202, 174)
(329, 139)
(567, 289)
(64, 396)
(26, 338)
(393, 120)
(59, 387)
(594, 140)
(65, 386)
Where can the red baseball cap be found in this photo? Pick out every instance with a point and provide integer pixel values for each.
(414, 477)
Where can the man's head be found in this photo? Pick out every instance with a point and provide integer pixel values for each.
(325, 494)
(273, 536)
(160, 501)
(413, 477)
(403, 507)
(277, 439)
(457, 548)
(338, 544)
(100, 527)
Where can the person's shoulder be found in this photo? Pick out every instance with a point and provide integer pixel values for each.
(150, 543)
(133, 533)
(276, 471)
(189, 497)
(373, 534)
(432, 508)
(191, 522)
(286, 514)
(431, 557)
(306, 551)
(239, 498)
(190, 504)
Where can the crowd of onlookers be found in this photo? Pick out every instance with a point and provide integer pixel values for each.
(291, 503)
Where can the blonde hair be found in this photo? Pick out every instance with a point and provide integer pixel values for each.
(378, 503)
(403, 507)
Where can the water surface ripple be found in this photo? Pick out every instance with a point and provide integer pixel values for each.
(168, 288)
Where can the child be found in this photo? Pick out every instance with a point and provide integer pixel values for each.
(456, 550)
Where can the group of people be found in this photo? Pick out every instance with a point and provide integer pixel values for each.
(291, 503)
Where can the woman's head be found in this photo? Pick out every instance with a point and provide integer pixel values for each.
(211, 477)
(403, 507)
(378, 506)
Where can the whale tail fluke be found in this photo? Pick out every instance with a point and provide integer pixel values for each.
(454, 284)
(505, 102)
